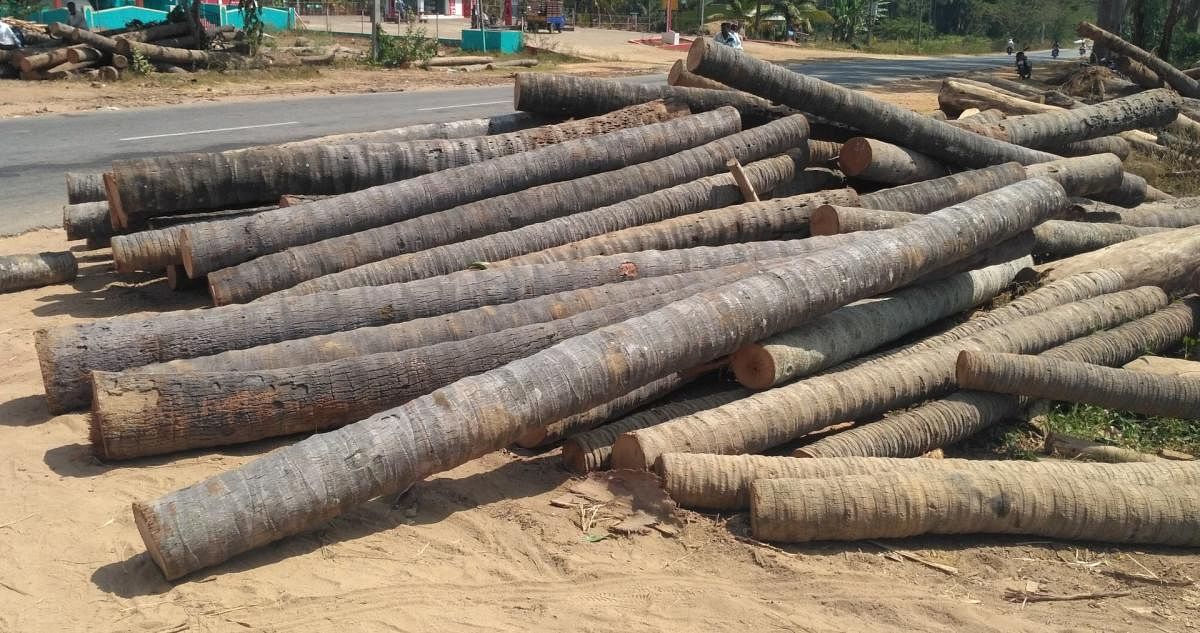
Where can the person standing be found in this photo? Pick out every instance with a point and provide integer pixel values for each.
(75, 17)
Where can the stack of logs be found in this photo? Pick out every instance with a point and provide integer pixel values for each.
(65, 51)
(426, 295)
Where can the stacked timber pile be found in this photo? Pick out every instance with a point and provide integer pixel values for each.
(431, 294)
(64, 51)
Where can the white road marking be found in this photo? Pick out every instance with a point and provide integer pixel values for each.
(463, 105)
(222, 129)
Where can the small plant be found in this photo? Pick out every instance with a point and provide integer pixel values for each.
(400, 50)
(139, 65)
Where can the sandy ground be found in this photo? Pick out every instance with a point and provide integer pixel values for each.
(480, 547)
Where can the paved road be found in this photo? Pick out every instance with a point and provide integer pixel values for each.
(32, 190)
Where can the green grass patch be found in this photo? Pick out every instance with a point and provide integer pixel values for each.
(1126, 430)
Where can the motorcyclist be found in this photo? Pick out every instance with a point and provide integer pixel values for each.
(1011, 46)
(1024, 66)
(1054, 49)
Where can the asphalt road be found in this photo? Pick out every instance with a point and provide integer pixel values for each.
(32, 189)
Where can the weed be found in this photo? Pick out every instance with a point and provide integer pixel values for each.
(1126, 430)
(139, 65)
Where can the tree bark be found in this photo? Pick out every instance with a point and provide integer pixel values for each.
(18, 272)
(223, 244)
(67, 354)
(931, 195)
(771, 418)
(1097, 174)
(84, 187)
(46, 60)
(157, 32)
(500, 124)
(679, 76)
(874, 160)
(956, 96)
(155, 249)
(570, 96)
(83, 53)
(1103, 145)
(463, 60)
(446, 241)
(1174, 78)
(173, 55)
(1166, 260)
(1137, 14)
(1179, 213)
(166, 185)
(1138, 73)
(373, 459)
(860, 327)
(87, 220)
(1075, 448)
(1168, 30)
(83, 36)
(722, 482)
(1163, 366)
(1165, 396)
(884, 506)
(1150, 109)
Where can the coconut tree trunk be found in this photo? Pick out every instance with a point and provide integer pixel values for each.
(83, 53)
(18, 272)
(381, 246)
(882, 506)
(939, 193)
(679, 76)
(965, 413)
(68, 354)
(1138, 73)
(372, 459)
(779, 218)
(454, 326)
(166, 185)
(571, 95)
(83, 36)
(823, 153)
(87, 220)
(1085, 175)
(1163, 366)
(722, 482)
(1166, 396)
(1162, 259)
(1103, 145)
(198, 410)
(185, 57)
(157, 32)
(874, 160)
(1075, 448)
(46, 60)
(956, 96)
(860, 327)
(592, 450)
(222, 244)
(1179, 213)
(1186, 86)
(1048, 130)
(771, 418)
(84, 187)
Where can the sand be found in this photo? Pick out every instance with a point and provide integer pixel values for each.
(479, 547)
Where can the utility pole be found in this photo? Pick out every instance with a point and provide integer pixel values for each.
(375, 30)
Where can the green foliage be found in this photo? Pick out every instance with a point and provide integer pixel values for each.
(23, 9)
(139, 65)
(1185, 49)
(399, 50)
(1125, 430)
(252, 24)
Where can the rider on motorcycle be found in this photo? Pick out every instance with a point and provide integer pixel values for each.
(1054, 50)
(1011, 46)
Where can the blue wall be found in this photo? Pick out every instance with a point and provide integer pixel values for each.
(118, 17)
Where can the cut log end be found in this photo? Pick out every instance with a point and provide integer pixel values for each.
(753, 367)
(824, 220)
(628, 453)
(150, 530)
(115, 212)
(696, 53)
(855, 156)
(575, 458)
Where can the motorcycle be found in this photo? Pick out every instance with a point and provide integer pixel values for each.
(1054, 52)
(1010, 50)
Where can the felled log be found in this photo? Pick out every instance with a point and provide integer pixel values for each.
(1178, 213)
(1102, 145)
(43, 61)
(1023, 90)
(1164, 366)
(18, 272)
(939, 193)
(571, 95)
(722, 482)
(67, 354)
(157, 32)
(83, 53)
(120, 62)
(863, 326)
(950, 420)
(773, 417)
(203, 409)
(173, 54)
(1068, 447)
(109, 73)
(316, 60)
(956, 96)
(164, 185)
(1139, 73)
(68, 69)
(158, 248)
(823, 153)
(870, 159)
(223, 244)
(464, 60)
(83, 36)
(1163, 259)
(1186, 86)
(596, 416)
(500, 124)
(592, 450)
(680, 76)
(1098, 174)
(1048, 130)
(537, 390)
(1167, 396)
(880, 506)
(446, 241)
(87, 220)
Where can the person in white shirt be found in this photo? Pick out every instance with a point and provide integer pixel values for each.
(735, 29)
(75, 18)
(728, 37)
(8, 38)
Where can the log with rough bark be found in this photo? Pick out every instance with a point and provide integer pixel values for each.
(68, 69)
(1166, 396)
(722, 482)
(860, 327)
(1179, 213)
(454, 326)
(203, 409)
(882, 506)
(680, 76)
(157, 32)
(1166, 260)
(87, 220)
(1139, 73)
(956, 96)
(120, 62)
(939, 193)
(18, 272)
(1164, 366)
(1103, 145)
(1083, 175)
(1185, 85)
(164, 185)
(109, 73)
(592, 450)
(83, 53)
(571, 95)
(965, 413)
(463, 60)
(450, 240)
(773, 417)
(872, 116)
(823, 153)
(174, 55)
(1068, 447)
(874, 160)
(611, 410)
(192, 528)
(159, 247)
(222, 244)
(83, 36)
(1023, 90)
(499, 124)
(46, 60)
(67, 354)
(84, 187)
